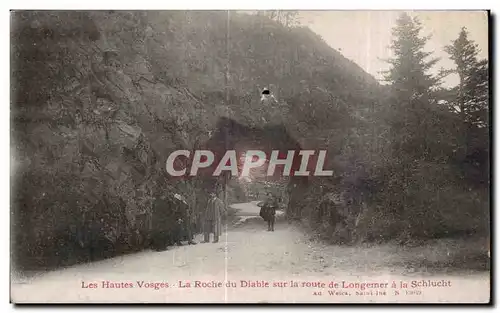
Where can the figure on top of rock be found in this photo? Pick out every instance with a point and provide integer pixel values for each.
(266, 97)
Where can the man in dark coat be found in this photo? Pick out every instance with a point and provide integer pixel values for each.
(163, 223)
(269, 211)
(183, 222)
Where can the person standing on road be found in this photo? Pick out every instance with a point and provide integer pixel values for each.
(188, 226)
(184, 220)
(213, 218)
(270, 206)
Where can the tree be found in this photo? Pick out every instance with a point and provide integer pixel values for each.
(408, 74)
(286, 18)
(470, 101)
(414, 120)
(423, 189)
(470, 97)
(412, 86)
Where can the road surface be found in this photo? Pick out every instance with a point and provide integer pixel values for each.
(246, 209)
(239, 267)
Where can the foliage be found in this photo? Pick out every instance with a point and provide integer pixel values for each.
(423, 189)
(471, 94)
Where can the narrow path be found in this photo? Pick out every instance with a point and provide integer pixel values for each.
(246, 209)
(249, 253)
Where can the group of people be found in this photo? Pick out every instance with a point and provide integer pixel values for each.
(180, 225)
(175, 221)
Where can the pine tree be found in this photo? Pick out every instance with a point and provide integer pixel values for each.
(414, 128)
(408, 74)
(470, 101)
(471, 95)
(412, 86)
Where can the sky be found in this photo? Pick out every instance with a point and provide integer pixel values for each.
(364, 36)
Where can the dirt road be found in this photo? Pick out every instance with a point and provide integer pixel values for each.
(239, 267)
(246, 209)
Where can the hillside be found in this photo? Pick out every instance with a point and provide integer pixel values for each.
(100, 99)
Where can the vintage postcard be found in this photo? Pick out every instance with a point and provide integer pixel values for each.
(250, 157)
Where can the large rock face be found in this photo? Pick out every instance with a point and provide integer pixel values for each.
(100, 99)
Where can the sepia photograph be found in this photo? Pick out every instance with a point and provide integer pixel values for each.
(265, 156)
